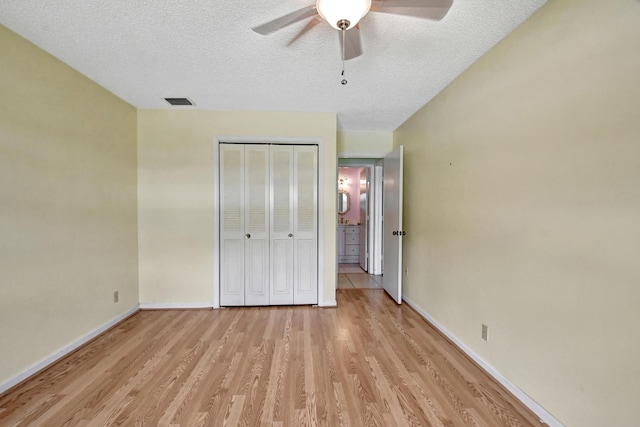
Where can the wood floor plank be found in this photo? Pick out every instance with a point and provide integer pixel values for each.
(342, 409)
(368, 362)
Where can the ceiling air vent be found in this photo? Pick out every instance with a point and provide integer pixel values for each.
(178, 101)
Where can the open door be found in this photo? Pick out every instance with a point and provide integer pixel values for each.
(364, 218)
(392, 224)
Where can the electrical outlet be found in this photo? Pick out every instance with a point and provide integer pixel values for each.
(485, 332)
(116, 296)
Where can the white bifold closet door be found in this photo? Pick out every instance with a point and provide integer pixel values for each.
(269, 221)
(244, 243)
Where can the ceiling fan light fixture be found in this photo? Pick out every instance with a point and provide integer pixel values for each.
(336, 12)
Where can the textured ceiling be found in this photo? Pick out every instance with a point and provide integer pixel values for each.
(145, 50)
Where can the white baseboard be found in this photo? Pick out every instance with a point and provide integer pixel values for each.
(545, 416)
(52, 358)
(328, 303)
(175, 305)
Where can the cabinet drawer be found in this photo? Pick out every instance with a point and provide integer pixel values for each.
(352, 239)
(352, 250)
(352, 230)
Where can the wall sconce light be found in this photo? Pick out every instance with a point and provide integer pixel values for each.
(341, 183)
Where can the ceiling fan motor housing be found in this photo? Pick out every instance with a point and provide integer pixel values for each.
(340, 12)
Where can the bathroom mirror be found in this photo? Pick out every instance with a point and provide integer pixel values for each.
(343, 202)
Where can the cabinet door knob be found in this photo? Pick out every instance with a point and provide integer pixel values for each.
(248, 236)
(290, 235)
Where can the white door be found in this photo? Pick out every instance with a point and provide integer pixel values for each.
(341, 243)
(305, 225)
(392, 224)
(364, 218)
(244, 226)
(268, 224)
(231, 225)
(256, 220)
(375, 249)
(294, 225)
(282, 194)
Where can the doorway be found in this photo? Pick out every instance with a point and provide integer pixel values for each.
(359, 224)
(380, 188)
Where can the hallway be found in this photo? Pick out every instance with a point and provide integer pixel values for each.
(351, 276)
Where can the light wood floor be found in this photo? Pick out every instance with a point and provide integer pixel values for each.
(368, 362)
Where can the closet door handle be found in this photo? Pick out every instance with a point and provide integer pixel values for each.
(248, 236)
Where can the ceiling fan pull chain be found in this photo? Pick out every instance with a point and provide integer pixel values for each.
(343, 81)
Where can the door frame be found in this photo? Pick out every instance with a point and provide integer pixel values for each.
(374, 228)
(217, 140)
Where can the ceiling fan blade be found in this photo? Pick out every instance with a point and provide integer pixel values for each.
(310, 25)
(425, 9)
(352, 45)
(283, 21)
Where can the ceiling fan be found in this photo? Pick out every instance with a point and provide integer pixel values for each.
(344, 15)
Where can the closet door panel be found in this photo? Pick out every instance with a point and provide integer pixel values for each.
(305, 225)
(231, 225)
(232, 274)
(305, 271)
(281, 289)
(281, 168)
(256, 219)
(256, 273)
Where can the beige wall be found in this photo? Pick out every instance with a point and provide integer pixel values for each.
(67, 206)
(522, 201)
(364, 144)
(175, 195)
